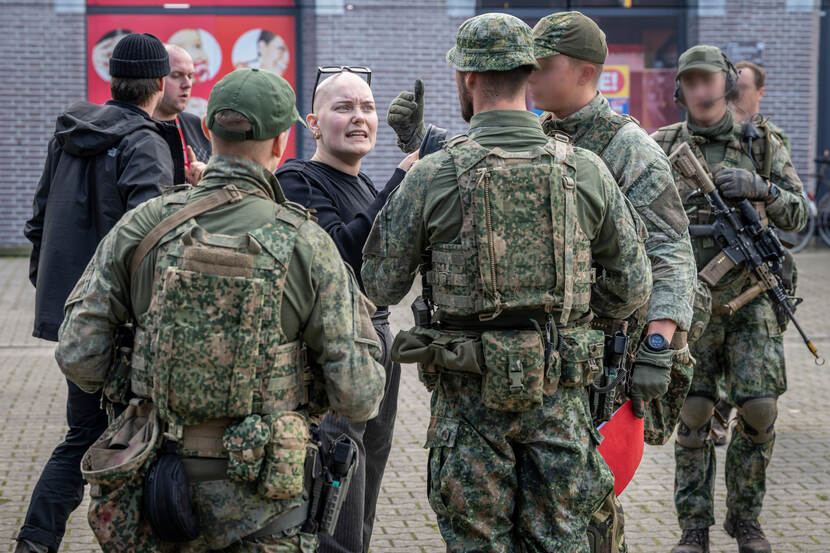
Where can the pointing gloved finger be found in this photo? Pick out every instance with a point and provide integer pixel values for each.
(419, 91)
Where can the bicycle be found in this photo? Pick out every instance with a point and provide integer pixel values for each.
(823, 200)
(818, 213)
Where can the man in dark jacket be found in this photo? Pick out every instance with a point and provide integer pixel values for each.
(177, 88)
(102, 162)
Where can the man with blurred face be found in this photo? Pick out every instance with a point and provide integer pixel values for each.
(745, 349)
(571, 51)
(177, 88)
(344, 124)
(752, 79)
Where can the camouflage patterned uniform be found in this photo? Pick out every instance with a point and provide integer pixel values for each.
(644, 176)
(764, 122)
(268, 281)
(513, 463)
(746, 348)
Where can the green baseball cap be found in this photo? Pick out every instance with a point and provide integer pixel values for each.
(571, 33)
(703, 58)
(263, 97)
(492, 42)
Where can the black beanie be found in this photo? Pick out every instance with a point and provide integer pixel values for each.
(139, 57)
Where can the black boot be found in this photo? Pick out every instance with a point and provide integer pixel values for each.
(26, 546)
(748, 533)
(693, 540)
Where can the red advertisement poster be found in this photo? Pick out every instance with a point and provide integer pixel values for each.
(218, 44)
(191, 3)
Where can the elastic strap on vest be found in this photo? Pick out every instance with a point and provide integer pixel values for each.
(767, 167)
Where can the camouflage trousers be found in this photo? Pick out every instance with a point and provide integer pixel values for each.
(229, 512)
(513, 482)
(606, 531)
(746, 352)
(300, 543)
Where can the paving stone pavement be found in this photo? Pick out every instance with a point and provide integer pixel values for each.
(796, 513)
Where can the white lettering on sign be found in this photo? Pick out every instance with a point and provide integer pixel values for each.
(611, 81)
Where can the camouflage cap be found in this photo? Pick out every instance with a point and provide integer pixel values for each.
(492, 42)
(571, 33)
(263, 97)
(703, 58)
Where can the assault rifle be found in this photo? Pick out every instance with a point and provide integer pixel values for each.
(745, 240)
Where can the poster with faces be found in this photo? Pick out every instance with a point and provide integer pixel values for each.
(218, 44)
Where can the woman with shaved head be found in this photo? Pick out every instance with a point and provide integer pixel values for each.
(344, 124)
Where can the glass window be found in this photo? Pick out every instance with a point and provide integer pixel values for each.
(645, 37)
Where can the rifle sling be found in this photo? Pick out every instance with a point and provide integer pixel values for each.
(227, 195)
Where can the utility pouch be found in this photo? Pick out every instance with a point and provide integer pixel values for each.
(282, 475)
(115, 466)
(245, 442)
(581, 350)
(193, 382)
(515, 370)
(166, 503)
(454, 352)
(701, 311)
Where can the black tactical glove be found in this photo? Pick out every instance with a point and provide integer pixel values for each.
(406, 117)
(650, 376)
(738, 183)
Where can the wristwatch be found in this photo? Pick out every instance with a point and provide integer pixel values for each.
(657, 342)
(773, 194)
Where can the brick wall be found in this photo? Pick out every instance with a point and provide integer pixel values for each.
(399, 41)
(43, 70)
(789, 52)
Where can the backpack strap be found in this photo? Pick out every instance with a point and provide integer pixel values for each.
(227, 195)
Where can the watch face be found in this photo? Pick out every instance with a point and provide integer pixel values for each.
(657, 342)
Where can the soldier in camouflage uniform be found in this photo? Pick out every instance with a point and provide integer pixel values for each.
(229, 300)
(506, 224)
(564, 43)
(746, 348)
(571, 50)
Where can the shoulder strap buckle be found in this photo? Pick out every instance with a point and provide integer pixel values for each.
(234, 195)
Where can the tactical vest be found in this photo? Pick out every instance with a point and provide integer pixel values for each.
(520, 245)
(210, 346)
(601, 132)
(598, 134)
(697, 208)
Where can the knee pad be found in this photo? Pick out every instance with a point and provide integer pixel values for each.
(756, 419)
(695, 421)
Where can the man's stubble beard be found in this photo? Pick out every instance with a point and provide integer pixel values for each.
(466, 102)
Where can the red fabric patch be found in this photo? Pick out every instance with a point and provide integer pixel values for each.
(622, 445)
